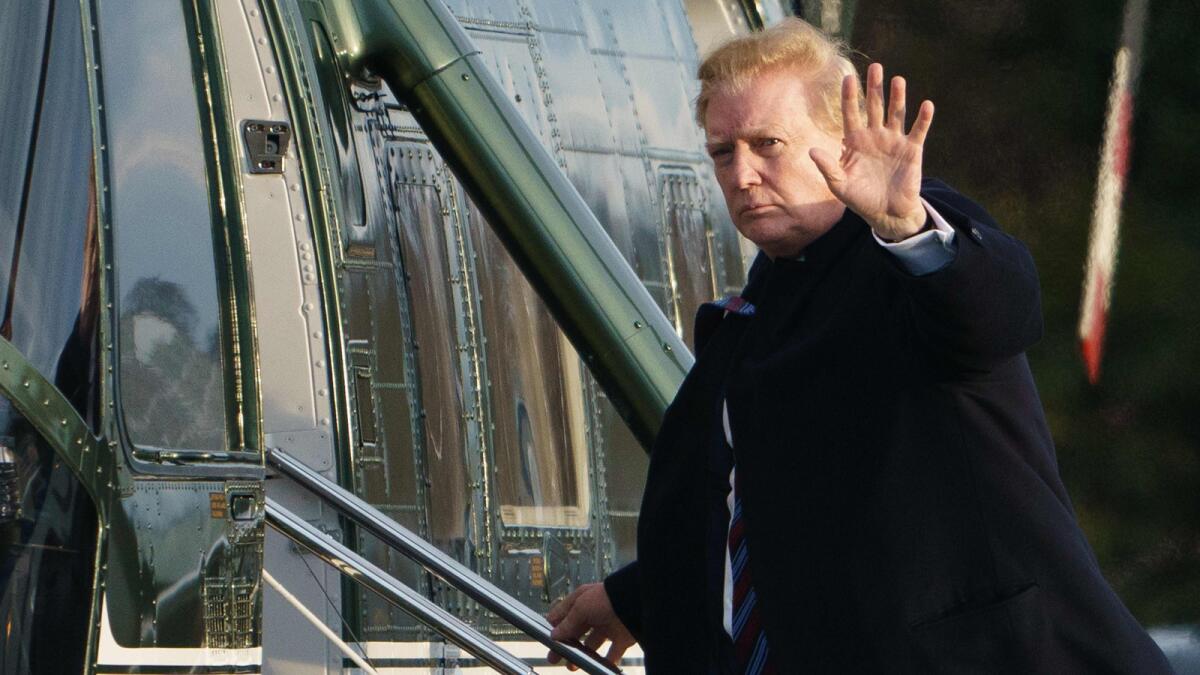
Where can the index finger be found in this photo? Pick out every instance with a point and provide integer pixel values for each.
(560, 608)
(920, 127)
(570, 626)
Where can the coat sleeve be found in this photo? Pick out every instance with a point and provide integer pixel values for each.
(624, 588)
(985, 306)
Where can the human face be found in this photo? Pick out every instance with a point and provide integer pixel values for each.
(758, 139)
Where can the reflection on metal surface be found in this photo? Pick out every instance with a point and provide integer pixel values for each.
(47, 545)
(381, 347)
(363, 572)
(171, 384)
(180, 574)
(426, 220)
(517, 183)
(536, 395)
(690, 244)
(339, 139)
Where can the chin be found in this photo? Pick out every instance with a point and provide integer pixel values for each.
(779, 248)
(775, 239)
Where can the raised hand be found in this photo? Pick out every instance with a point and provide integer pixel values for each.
(879, 173)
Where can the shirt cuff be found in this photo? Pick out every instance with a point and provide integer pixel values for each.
(927, 252)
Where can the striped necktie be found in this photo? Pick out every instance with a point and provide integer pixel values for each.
(749, 639)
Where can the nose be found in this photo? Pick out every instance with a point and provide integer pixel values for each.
(744, 170)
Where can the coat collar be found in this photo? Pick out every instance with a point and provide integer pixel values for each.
(826, 250)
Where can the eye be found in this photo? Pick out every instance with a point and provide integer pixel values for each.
(768, 144)
(720, 156)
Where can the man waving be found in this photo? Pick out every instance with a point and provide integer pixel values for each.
(856, 476)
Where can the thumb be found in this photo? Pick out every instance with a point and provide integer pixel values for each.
(828, 166)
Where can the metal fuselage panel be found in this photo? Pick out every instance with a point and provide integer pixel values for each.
(470, 419)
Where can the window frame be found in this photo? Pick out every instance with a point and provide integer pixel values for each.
(241, 455)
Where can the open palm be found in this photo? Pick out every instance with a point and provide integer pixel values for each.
(878, 175)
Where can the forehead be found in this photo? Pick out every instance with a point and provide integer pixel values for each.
(775, 100)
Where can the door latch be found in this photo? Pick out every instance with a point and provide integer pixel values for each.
(266, 144)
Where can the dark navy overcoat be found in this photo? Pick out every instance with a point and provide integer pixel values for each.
(903, 506)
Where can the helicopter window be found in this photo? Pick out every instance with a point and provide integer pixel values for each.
(22, 48)
(51, 284)
(689, 246)
(536, 396)
(444, 400)
(47, 292)
(171, 384)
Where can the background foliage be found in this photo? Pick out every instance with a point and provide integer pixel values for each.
(1020, 88)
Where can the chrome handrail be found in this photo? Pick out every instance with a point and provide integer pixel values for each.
(367, 574)
(435, 561)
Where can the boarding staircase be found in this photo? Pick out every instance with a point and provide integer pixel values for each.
(412, 546)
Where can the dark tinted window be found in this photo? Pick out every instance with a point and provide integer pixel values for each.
(52, 292)
(171, 378)
(22, 45)
(48, 279)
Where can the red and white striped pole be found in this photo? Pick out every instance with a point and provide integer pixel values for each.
(1110, 188)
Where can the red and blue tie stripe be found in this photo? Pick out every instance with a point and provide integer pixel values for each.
(749, 639)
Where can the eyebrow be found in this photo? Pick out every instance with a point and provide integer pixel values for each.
(751, 132)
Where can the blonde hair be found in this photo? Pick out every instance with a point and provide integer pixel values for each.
(793, 44)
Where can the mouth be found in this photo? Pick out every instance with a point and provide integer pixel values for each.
(755, 209)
